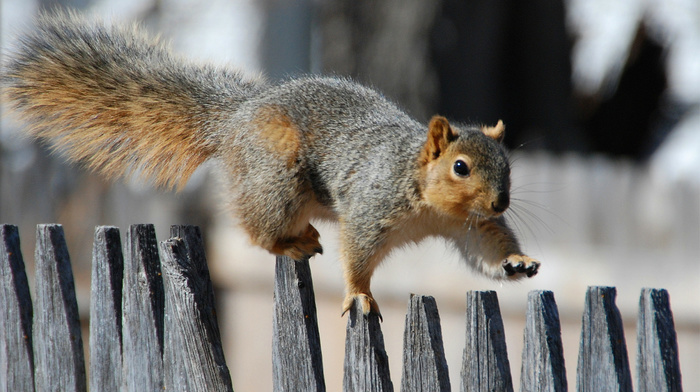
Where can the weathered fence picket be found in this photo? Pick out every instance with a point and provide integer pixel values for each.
(106, 310)
(297, 364)
(542, 367)
(424, 363)
(16, 349)
(485, 365)
(154, 326)
(658, 369)
(366, 366)
(603, 364)
(193, 359)
(59, 363)
(142, 312)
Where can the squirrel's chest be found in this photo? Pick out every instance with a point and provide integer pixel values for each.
(416, 225)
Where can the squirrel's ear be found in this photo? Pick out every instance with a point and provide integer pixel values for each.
(496, 133)
(440, 134)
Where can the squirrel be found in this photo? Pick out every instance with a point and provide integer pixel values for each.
(308, 148)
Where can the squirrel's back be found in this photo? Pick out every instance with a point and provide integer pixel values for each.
(119, 92)
(333, 129)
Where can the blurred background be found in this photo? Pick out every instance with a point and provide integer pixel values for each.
(602, 105)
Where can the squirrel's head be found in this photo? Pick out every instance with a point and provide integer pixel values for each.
(465, 170)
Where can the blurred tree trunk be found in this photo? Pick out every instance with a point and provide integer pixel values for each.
(510, 60)
(476, 60)
(384, 44)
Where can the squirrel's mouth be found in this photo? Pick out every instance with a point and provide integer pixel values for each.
(481, 214)
(491, 210)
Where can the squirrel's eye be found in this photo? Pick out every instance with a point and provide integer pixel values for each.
(461, 169)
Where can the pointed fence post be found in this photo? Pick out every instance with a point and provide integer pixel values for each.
(16, 353)
(297, 363)
(424, 363)
(58, 343)
(142, 312)
(658, 367)
(603, 364)
(485, 365)
(106, 310)
(193, 358)
(366, 365)
(543, 355)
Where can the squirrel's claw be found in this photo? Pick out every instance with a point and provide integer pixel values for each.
(521, 264)
(367, 303)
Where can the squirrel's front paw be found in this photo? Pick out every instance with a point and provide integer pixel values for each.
(366, 301)
(520, 264)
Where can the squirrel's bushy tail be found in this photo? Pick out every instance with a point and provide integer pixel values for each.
(118, 101)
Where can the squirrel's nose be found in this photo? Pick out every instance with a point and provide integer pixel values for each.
(501, 204)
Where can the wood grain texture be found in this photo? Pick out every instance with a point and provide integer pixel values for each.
(16, 353)
(142, 312)
(542, 367)
(603, 364)
(106, 310)
(485, 365)
(424, 363)
(658, 367)
(366, 365)
(58, 344)
(297, 362)
(193, 357)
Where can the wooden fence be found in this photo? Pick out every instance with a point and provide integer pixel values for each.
(153, 326)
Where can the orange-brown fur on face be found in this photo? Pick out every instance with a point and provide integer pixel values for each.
(457, 196)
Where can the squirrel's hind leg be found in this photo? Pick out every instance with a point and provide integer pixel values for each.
(284, 235)
(299, 247)
(276, 215)
(273, 198)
